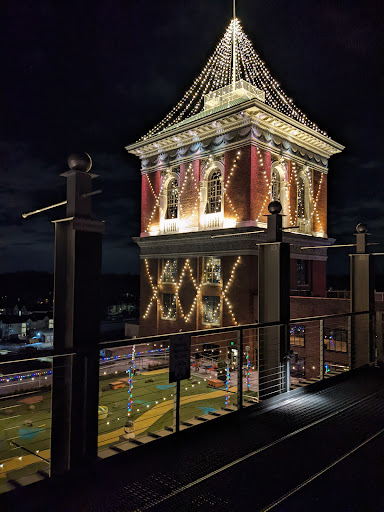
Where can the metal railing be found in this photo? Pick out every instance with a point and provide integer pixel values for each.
(231, 368)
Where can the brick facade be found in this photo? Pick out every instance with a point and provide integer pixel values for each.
(302, 307)
(247, 192)
(246, 182)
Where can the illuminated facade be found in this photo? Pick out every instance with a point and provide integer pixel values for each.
(207, 180)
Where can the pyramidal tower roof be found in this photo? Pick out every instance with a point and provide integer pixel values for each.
(233, 73)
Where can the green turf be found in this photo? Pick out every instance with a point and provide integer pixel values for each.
(33, 438)
(145, 396)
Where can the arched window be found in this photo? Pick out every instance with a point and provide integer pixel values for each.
(275, 185)
(214, 192)
(172, 199)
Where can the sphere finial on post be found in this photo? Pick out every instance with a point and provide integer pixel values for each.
(80, 162)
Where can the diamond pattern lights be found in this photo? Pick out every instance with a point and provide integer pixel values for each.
(186, 272)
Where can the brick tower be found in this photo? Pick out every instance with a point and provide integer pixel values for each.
(234, 143)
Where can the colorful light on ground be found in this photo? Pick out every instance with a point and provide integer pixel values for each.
(248, 371)
(227, 382)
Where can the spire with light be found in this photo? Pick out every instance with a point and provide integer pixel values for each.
(233, 62)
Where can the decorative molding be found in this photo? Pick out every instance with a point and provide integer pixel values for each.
(202, 244)
(246, 112)
(239, 137)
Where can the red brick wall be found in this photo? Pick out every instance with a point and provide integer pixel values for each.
(240, 295)
(242, 290)
(148, 200)
(258, 185)
(148, 325)
(320, 215)
(189, 194)
(319, 278)
(293, 275)
(238, 185)
(302, 307)
(247, 191)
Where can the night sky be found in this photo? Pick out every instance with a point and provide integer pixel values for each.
(95, 76)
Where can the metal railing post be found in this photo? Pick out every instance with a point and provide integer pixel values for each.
(287, 366)
(321, 340)
(240, 369)
(350, 342)
(176, 408)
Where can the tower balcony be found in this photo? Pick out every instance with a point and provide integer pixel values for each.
(169, 226)
(212, 220)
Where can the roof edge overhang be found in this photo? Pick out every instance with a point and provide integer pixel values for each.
(257, 112)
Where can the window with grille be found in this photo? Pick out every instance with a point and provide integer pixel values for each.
(211, 310)
(172, 199)
(169, 306)
(169, 271)
(297, 335)
(336, 339)
(214, 192)
(275, 185)
(211, 270)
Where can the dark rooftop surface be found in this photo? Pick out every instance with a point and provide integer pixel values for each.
(321, 448)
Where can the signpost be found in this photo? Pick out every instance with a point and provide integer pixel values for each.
(179, 369)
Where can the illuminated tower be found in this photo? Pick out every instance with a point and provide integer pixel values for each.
(233, 143)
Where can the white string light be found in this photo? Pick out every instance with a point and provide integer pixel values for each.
(169, 315)
(217, 74)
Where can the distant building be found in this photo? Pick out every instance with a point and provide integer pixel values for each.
(118, 309)
(20, 309)
(11, 326)
(16, 327)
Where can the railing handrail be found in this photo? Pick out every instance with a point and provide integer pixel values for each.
(217, 330)
(161, 337)
(27, 357)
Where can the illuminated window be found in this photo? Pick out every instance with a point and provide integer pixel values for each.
(211, 270)
(169, 271)
(214, 192)
(211, 310)
(297, 335)
(336, 340)
(169, 306)
(172, 199)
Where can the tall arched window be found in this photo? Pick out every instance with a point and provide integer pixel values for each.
(172, 199)
(214, 192)
(275, 185)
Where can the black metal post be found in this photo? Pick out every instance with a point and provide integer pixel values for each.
(240, 348)
(321, 341)
(176, 408)
(274, 304)
(362, 299)
(77, 282)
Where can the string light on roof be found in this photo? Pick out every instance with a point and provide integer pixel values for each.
(234, 47)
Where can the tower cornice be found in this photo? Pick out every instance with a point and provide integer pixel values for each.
(219, 122)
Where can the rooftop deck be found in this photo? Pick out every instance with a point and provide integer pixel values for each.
(312, 449)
